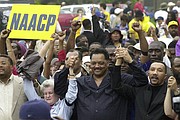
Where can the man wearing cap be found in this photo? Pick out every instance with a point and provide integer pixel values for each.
(160, 27)
(136, 52)
(162, 11)
(35, 110)
(173, 29)
(170, 6)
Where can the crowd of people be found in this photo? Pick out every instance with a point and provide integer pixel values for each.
(117, 65)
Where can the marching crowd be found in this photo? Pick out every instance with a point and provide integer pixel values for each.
(117, 65)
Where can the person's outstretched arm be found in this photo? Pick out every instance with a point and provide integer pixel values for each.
(116, 79)
(10, 51)
(67, 103)
(4, 35)
(44, 49)
(71, 94)
(138, 77)
(29, 90)
(60, 82)
(75, 25)
(168, 110)
(143, 42)
(47, 65)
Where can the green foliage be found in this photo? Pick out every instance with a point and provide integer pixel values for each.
(46, 1)
(133, 2)
(37, 1)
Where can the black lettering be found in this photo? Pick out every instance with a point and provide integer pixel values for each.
(41, 26)
(51, 21)
(15, 21)
(32, 24)
(24, 21)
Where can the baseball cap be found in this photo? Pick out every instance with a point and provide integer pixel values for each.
(35, 110)
(172, 23)
(137, 46)
(118, 10)
(163, 6)
(160, 18)
(171, 4)
(116, 29)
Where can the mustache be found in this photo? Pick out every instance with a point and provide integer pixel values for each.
(154, 76)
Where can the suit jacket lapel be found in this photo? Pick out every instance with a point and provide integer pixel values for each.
(147, 97)
(159, 98)
(16, 92)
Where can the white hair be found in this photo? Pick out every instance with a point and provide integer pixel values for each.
(47, 83)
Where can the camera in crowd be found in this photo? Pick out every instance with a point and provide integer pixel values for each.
(176, 104)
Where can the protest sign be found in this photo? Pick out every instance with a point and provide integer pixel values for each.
(33, 21)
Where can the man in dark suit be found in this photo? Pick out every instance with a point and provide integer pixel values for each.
(95, 90)
(149, 99)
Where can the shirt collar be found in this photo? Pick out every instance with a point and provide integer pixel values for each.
(8, 81)
(78, 75)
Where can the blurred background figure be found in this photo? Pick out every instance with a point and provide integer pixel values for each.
(63, 3)
(162, 11)
(139, 5)
(177, 8)
(129, 11)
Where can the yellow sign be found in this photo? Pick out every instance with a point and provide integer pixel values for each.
(33, 21)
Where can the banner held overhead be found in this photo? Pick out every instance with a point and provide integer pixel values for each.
(33, 21)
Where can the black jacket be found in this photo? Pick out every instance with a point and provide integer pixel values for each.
(101, 36)
(146, 108)
(102, 103)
